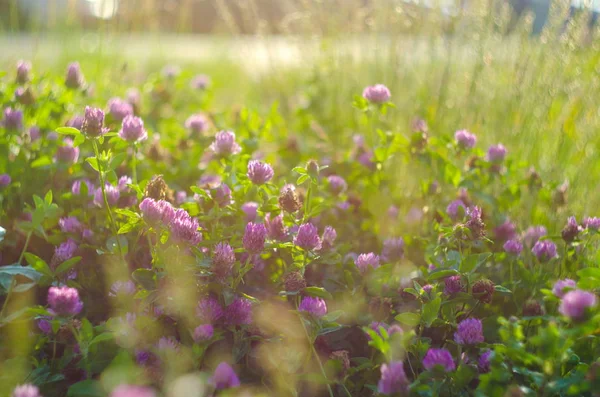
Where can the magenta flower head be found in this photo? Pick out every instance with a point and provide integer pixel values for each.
(223, 260)
(364, 261)
(76, 187)
(13, 119)
(559, 287)
(224, 377)
(337, 184)
(496, 153)
(23, 71)
(239, 312)
(453, 285)
(544, 250)
(64, 301)
(250, 209)
(68, 153)
(132, 391)
(34, 133)
(328, 238)
(313, 305)
(76, 122)
(469, 332)
(591, 223)
(200, 82)
(159, 212)
(225, 144)
(122, 288)
(377, 93)
(393, 379)
(70, 224)
(275, 227)
(571, 230)
(484, 362)
(209, 310)
(171, 71)
(307, 237)
(203, 333)
(254, 237)
(505, 231)
(119, 109)
(533, 234)
(513, 247)
(575, 303)
(456, 209)
(5, 180)
(27, 390)
(167, 344)
(222, 195)
(93, 122)
(112, 195)
(259, 172)
(197, 123)
(184, 228)
(465, 139)
(393, 249)
(64, 251)
(74, 78)
(132, 129)
(439, 357)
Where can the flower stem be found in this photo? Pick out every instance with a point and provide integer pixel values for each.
(106, 205)
(8, 295)
(134, 165)
(314, 352)
(25, 246)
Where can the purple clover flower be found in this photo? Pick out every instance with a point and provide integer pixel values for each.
(453, 209)
(76, 187)
(393, 379)
(76, 122)
(119, 109)
(13, 119)
(64, 301)
(364, 261)
(224, 377)
(469, 332)
(26, 390)
(65, 251)
(209, 310)
(533, 234)
(393, 249)
(307, 237)
(184, 228)
(74, 78)
(239, 312)
(328, 238)
(70, 224)
(200, 82)
(506, 231)
(132, 391)
(68, 153)
(465, 139)
(5, 180)
(225, 144)
(575, 303)
(453, 285)
(275, 227)
(159, 212)
(23, 71)
(197, 123)
(132, 129)
(34, 133)
(313, 305)
(513, 247)
(377, 93)
(496, 153)
(222, 195)
(254, 237)
(93, 122)
(112, 195)
(439, 357)
(592, 223)
(559, 287)
(250, 209)
(259, 173)
(223, 260)
(337, 184)
(203, 333)
(484, 362)
(544, 250)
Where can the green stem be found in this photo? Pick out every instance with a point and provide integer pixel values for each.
(25, 246)
(314, 352)
(108, 211)
(134, 165)
(8, 295)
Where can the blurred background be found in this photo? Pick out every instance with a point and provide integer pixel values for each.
(520, 72)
